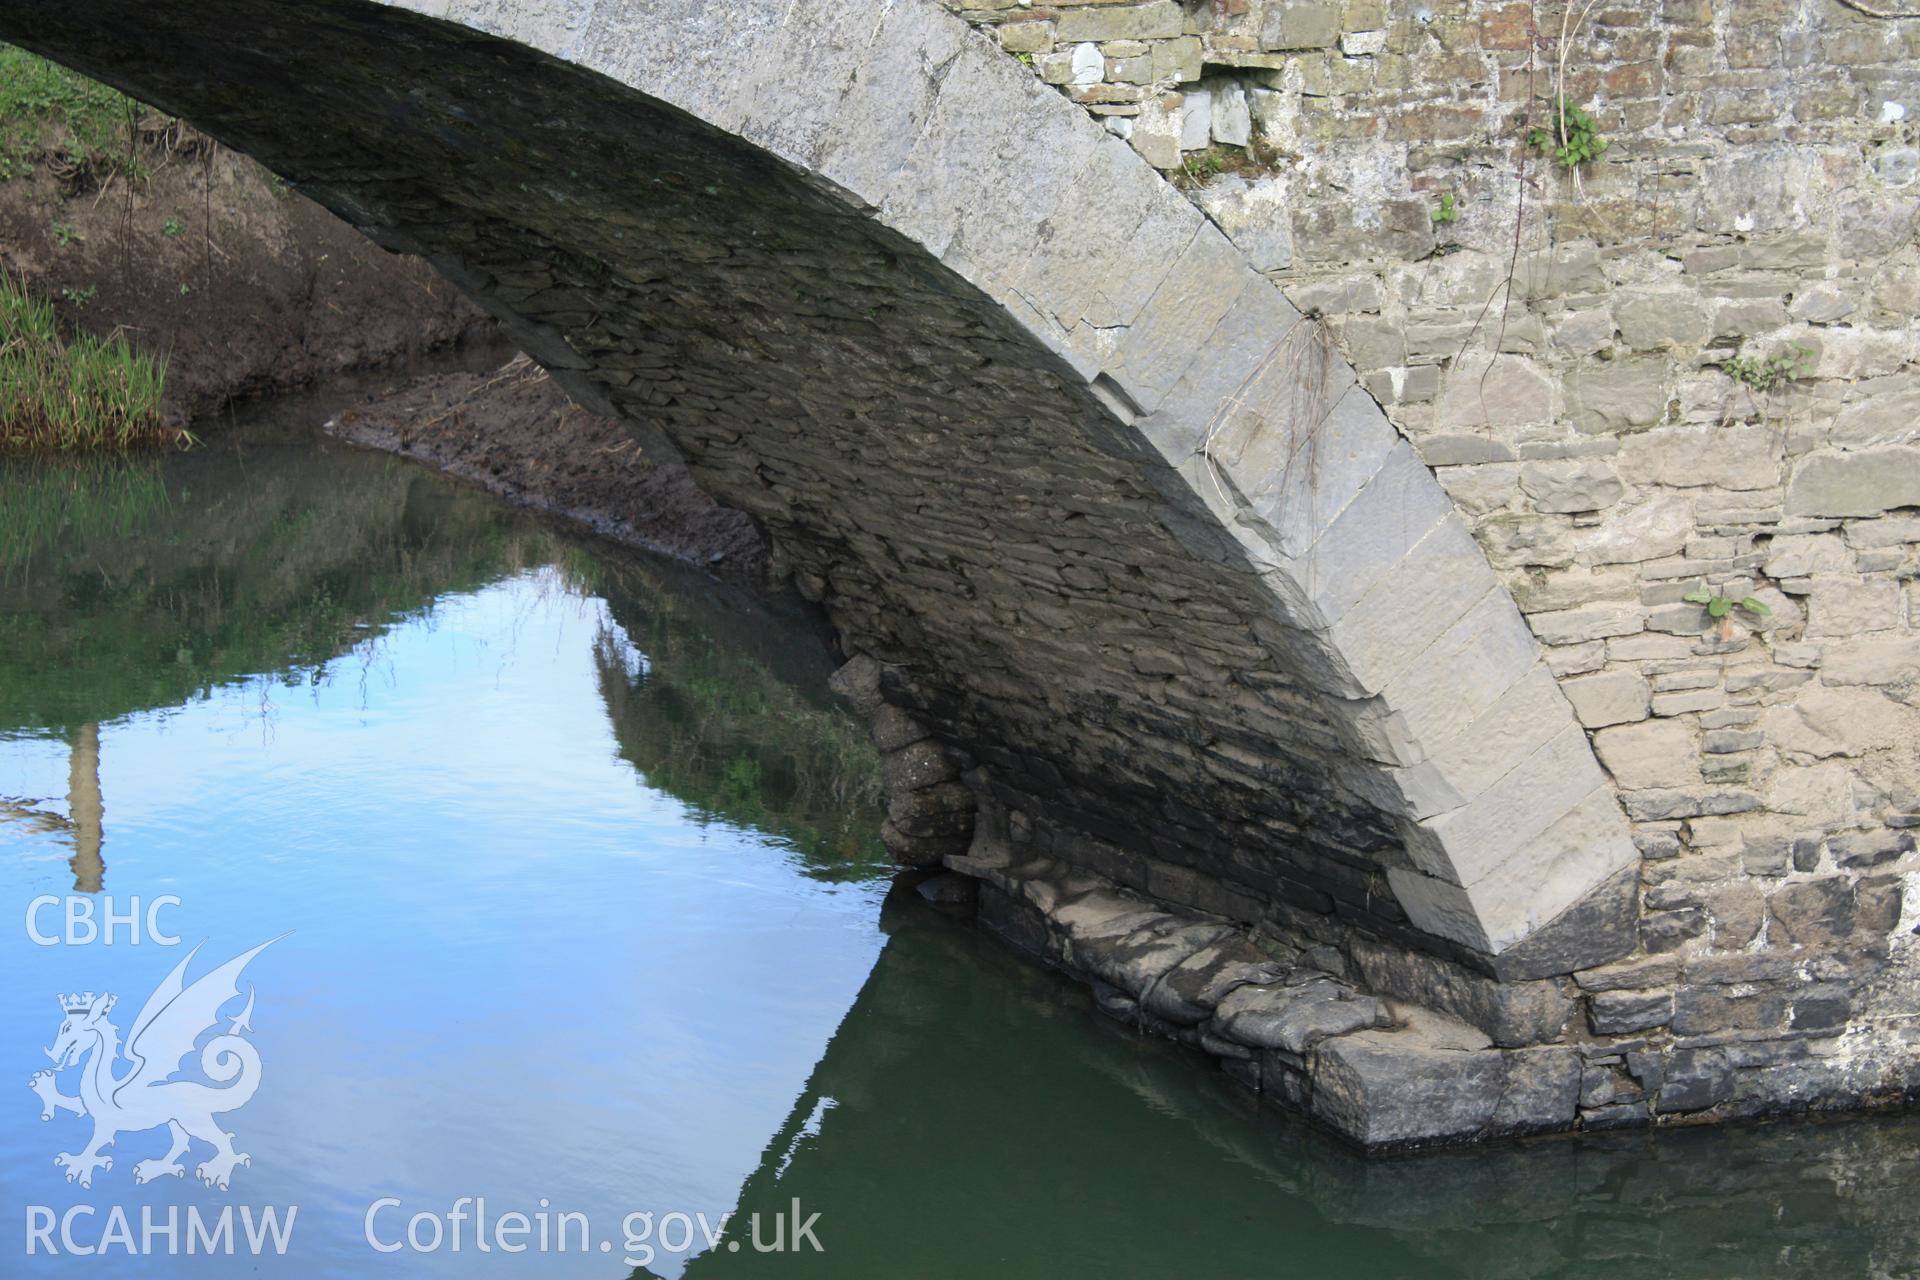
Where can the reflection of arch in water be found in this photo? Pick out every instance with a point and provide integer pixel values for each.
(969, 1118)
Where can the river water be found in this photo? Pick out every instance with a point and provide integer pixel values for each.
(568, 872)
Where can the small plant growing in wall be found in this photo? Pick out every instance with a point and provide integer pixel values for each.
(1573, 140)
(1201, 165)
(1446, 212)
(1720, 608)
(1197, 168)
(1764, 373)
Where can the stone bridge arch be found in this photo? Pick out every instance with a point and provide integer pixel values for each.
(1117, 522)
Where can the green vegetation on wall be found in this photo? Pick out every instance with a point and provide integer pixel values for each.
(1572, 137)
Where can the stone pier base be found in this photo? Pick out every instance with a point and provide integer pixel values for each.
(1338, 1033)
(1391, 1047)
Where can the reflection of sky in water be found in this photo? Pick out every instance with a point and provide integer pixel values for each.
(515, 971)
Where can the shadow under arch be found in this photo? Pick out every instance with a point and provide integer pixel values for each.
(1041, 439)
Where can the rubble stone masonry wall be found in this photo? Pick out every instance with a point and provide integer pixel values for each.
(1565, 349)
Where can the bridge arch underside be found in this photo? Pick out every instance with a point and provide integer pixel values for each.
(1114, 520)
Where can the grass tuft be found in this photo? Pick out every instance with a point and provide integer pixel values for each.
(64, 396)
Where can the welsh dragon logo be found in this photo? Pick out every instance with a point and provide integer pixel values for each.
(147, 1096)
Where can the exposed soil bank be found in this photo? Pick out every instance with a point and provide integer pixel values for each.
(143, 226)
(517, 435)
(245, 287)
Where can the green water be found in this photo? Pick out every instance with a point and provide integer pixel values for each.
(579, 906)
